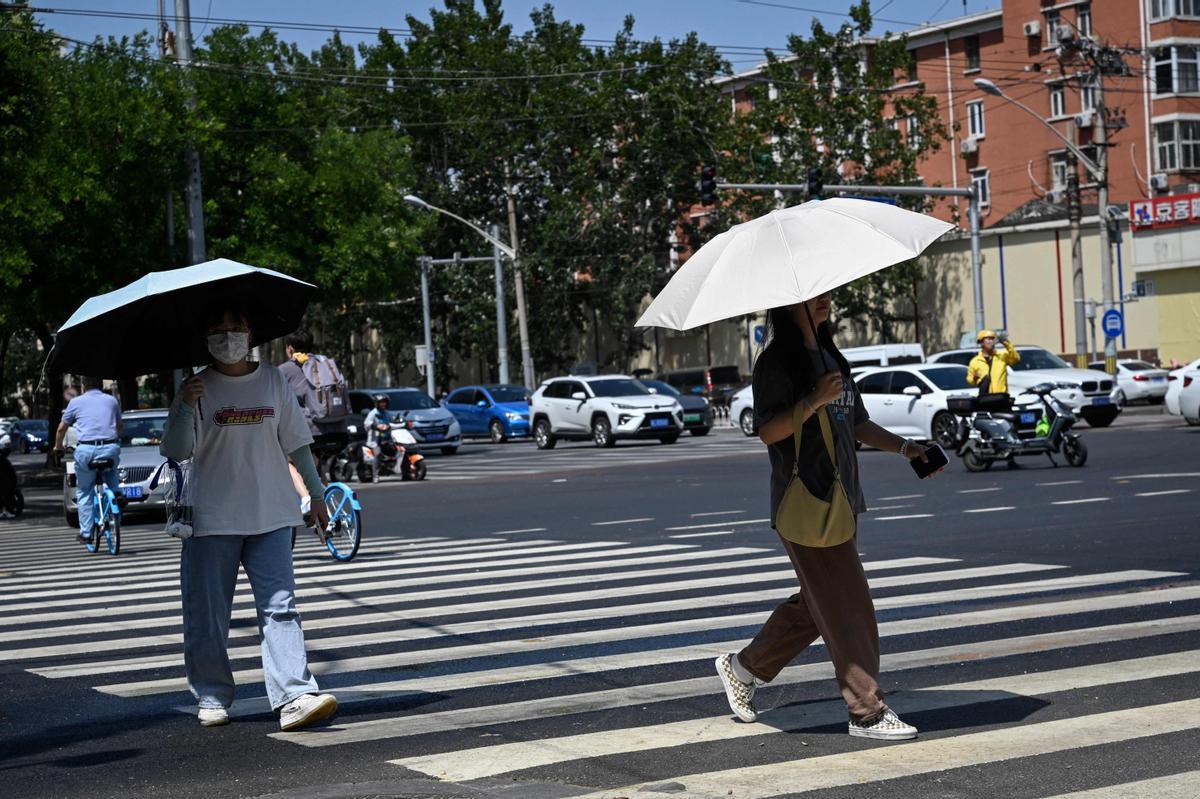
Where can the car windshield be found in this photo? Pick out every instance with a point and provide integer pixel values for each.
(660, 387)
(947, 378)
(618, 387)
(33, 426)
(1039, 359)
(143, 431)
(1136, 366)
(408, 400)
(508, 393)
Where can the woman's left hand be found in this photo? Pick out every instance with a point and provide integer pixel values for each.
(320, 513)
(916, 452)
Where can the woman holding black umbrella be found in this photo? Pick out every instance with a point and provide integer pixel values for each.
(241, 423)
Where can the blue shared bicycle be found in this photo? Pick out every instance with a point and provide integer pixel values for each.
(344, 533)
(106, 510)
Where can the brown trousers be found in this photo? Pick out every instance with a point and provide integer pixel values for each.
(834, 603)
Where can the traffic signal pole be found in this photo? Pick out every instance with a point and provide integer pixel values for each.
(899, 191)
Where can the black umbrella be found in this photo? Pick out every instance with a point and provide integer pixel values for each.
(156, 322)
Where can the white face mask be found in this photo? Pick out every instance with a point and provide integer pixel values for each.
(229, 348)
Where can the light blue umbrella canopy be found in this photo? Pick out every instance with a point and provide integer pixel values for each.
(156, 322)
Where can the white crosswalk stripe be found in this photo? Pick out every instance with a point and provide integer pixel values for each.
(531, 658)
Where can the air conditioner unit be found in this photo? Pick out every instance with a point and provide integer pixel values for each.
(1192, 188)
(1032, 28)
(1085, 120)
(1158, 182)
(1056, 196)
(969, 146)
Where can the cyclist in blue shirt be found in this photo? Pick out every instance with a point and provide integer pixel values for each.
(97, 420)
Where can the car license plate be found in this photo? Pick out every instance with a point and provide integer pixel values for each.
(434, 436)
(1158, 380)
(1028, 418)
(690, 417)
(1101, 401)
(133, 492)
(659, 422)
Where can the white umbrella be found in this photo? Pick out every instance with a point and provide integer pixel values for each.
(789, 256)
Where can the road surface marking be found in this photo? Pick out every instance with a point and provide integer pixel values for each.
(540, 708)
(887, 507)
(976, 490)
(717, 524)
(1061, 483)
(932, 756)
(1081, 501)
(906, 516)
(902, 496)
(1174, 785)
(990, 510)
(1164, 493)
(1157, 476)
(702, 535)
(624, 521)
(716, 513)
(515, 532)
(490, 761)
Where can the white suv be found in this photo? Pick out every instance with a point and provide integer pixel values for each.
(603, 408)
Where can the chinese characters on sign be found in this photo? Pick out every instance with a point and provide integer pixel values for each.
(1180, 209)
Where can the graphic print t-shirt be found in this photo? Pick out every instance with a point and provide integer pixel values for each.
(241, 483)
(774, 394)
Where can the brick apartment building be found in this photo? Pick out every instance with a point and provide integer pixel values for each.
(1020, 169)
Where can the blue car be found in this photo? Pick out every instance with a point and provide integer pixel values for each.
(499, 412)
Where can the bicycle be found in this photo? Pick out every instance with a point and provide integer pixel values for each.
(344, 533)
(106, 510)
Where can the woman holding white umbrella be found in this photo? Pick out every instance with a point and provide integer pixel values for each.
(809, 415)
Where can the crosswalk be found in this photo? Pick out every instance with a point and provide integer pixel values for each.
(589, 662)
(520, 458)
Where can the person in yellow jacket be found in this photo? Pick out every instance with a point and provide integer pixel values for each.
(989, 368)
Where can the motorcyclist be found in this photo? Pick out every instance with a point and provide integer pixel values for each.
(378, 423)
(989, 368)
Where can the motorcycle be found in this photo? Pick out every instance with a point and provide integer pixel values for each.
(1039, 424)
(395, 451)
(412, 462)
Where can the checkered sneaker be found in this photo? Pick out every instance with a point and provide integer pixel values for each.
(885, 726)
(740, 694)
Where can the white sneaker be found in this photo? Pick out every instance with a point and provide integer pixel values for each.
(740, 694)
(885, 726)
(307, 710)
(213, 716)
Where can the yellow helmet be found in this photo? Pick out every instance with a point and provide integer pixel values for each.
(985, 334)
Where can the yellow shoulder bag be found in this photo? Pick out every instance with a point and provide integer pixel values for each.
(808, 520)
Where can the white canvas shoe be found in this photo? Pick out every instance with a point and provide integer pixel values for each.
(307, 710)
(213, 716)
(885, 726)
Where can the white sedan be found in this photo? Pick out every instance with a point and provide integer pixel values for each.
(1189, 397)
(910, 401)
(1137, 380)
(1175, 384)
(741, 410)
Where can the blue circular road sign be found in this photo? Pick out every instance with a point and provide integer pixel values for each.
(760, 332)
(1113, 323)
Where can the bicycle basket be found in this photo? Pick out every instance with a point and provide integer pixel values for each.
(178, 476)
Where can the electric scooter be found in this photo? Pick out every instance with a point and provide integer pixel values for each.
(991, 436)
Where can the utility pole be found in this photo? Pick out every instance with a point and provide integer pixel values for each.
(527, 371)
(424, 262)
(1074, 214)
(1106, 267)
(501, 319)
(195, 199)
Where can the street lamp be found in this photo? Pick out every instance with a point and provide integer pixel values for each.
(511, 253)
(1098, 170)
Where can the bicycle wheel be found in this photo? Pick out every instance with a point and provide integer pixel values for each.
(112, 533)
(345, 523)
(97, 520)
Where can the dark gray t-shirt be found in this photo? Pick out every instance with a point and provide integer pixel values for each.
(774, 393)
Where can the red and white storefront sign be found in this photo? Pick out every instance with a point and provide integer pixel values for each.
(1160, 212)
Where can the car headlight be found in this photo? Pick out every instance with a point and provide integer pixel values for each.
(625, 407)
(512, 417)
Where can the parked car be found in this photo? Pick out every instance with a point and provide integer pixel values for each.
(603, 408)
(500, 412)
(884, 355)
(698, 413)
(1175, 380)
(1092, 396)
(140, 458)
(29, 435)
(741, 410)
(1189, 398)
(1137, 380)
(432, 425)
(714, 383)
(910, 401)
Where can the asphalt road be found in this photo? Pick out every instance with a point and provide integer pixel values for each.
(542, 624)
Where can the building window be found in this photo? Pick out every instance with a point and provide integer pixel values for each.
(1189, 144)
(914, 132)
(1176, 70)
(1058, 100)
(972, 52)
(1053, 20)
(1087, 94)
(975, 119)
(1164, 9)
(1165, 153)
(981, 185)
(912, 67)
(1060, 168)
(1083, 20)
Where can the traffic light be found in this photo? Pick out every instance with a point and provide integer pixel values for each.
(815, 184)
(708, 184)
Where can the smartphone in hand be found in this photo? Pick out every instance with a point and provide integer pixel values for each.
(935, 458)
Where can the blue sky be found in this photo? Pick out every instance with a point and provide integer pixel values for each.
(729, 23)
